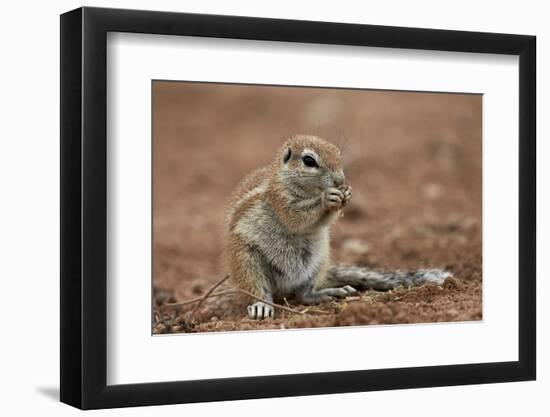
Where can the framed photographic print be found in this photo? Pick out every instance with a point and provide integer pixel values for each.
(257, 207)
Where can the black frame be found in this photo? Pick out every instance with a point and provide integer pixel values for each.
(83, 207)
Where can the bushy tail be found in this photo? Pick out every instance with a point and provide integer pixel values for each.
(363, 278)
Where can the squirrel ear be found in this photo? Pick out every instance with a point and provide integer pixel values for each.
(287, 155)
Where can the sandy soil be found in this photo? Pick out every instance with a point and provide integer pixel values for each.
(413, 160)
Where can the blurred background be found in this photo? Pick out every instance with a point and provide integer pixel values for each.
(414, 161)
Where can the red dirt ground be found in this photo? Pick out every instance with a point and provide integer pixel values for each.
(414, 161)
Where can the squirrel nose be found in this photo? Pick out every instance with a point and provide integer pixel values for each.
(338, 178)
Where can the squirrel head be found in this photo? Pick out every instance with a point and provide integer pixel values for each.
(310, 164)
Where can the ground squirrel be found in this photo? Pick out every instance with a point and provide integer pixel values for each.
(277, 227)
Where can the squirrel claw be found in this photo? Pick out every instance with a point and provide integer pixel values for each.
(333, 198)
(350, 290)
(346, 191)
(259, 310)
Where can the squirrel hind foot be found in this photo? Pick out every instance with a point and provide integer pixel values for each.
(326, 294)
(259, 311)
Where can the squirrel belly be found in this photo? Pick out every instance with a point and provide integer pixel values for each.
(263, 255)
(277, 231)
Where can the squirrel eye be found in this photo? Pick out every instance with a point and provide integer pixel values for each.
(309, 162)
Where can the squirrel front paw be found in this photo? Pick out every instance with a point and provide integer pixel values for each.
(346, 190)
(333, 198)
(337, 198)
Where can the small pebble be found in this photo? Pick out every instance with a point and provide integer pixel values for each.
(197, 289)
(355, 247)
(433, 191)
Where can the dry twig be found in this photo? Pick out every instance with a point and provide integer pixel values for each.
(403, 296)
(315, 310)
(204, 297)
(279, 306)
(233, 290)
(195, 300)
